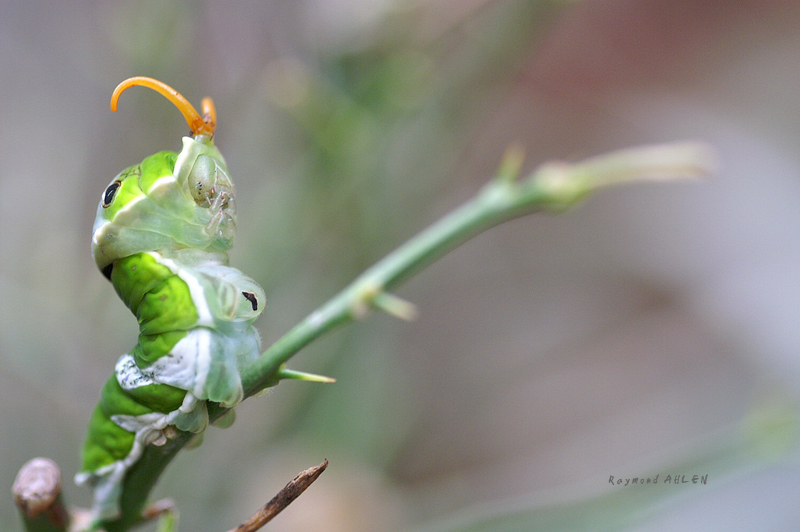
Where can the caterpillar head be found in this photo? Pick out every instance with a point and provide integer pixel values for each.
(169, 201)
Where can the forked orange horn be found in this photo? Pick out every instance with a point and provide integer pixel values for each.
(199, 125)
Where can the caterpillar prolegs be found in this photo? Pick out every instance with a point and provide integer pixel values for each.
(161, 236)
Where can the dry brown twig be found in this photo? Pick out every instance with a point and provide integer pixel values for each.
(284, 498)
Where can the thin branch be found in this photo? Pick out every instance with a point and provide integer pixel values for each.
(284, 498)
(553, 187)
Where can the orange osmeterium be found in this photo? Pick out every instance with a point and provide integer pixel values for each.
(199, 125)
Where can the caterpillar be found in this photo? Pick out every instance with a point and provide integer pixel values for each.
(161, 236)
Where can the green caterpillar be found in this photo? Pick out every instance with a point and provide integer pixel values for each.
(161, 236)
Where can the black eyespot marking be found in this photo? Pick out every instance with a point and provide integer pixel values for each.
(107, 271)
(111, 191)
(251, 297)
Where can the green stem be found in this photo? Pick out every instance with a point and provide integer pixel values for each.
(496, 203)
(554, 186)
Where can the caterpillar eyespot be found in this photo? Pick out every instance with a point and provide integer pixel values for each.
(108, 195)
(161, 236)
(251, 297)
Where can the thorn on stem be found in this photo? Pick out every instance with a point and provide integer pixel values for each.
(371, 293)
(286, 373)
(395, 306)
(511, 164)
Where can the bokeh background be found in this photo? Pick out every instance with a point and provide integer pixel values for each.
(653, 330)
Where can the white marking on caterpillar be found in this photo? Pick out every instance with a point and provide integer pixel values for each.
(203, 364)
(144, 425)
(181, 163)
(98, 230)
(130, 205)
(204, 317)
(166, 181)
(187, 364)
(130, 376)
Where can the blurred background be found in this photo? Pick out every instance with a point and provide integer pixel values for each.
(652, 330)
